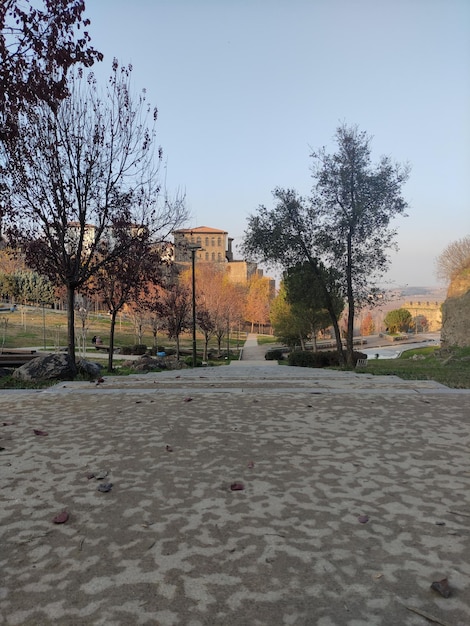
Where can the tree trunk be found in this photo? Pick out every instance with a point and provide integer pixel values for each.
(111, 340)
(71, 323)
(350, 297)
(177, 347)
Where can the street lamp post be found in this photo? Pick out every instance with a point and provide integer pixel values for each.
(44, 325)
(194, 249)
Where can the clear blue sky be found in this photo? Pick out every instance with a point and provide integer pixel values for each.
(246, 89)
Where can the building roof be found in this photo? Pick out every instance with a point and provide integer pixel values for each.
(199, 230)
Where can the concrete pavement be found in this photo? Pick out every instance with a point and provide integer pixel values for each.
(356, 497)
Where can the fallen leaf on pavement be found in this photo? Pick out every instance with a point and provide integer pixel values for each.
(237, 487)
(61, 518)
(40, 433)
(363, 519)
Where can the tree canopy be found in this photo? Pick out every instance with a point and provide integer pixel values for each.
(454, 259)
(40, 41)
(398, 320)
(344, 226)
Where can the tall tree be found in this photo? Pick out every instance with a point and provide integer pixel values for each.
(258, 300)
(176, 311)
(286, 235)
(82, 173)
(124, 279)
(345, 225)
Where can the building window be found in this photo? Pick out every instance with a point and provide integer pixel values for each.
(198, 241)
(207, 241)
(213, 256)
(213, 242)
(219, 256)
(219, 241)
(207, 256)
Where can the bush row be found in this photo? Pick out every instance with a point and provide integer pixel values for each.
(319, 359)
(141, 348)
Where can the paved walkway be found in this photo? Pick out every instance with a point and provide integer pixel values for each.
(253, 352)
(356, 497)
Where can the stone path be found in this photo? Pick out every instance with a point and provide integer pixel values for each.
(356, 498)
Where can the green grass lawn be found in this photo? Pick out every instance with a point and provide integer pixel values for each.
(451, 368)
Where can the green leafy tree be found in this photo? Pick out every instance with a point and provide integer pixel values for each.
(398, 320)
(304, 292)
(290, 323)
(344, 226)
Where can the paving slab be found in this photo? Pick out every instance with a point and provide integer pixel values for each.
(356, 497)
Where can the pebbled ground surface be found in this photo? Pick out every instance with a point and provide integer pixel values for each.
(356, 498)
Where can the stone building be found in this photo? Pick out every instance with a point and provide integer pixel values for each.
(212, 245)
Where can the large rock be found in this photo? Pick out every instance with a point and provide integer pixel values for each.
(89, 368)
(456, 322)
(50, 367)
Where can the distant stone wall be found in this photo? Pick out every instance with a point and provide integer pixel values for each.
(430, 310)
(456, 312)
(456, 321)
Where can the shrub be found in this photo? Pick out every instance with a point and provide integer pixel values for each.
(139, 348)
(319, 359)
(274, 355)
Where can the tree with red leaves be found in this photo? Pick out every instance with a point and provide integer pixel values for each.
(39, 43)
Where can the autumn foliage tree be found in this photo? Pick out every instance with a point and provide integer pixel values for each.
(367, 325)
(258, 300)
(124, 278)
(454, 259)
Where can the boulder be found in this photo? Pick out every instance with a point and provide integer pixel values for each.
(50, 367)
(89, 369)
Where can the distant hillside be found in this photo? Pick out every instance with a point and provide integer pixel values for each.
(431, 293)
